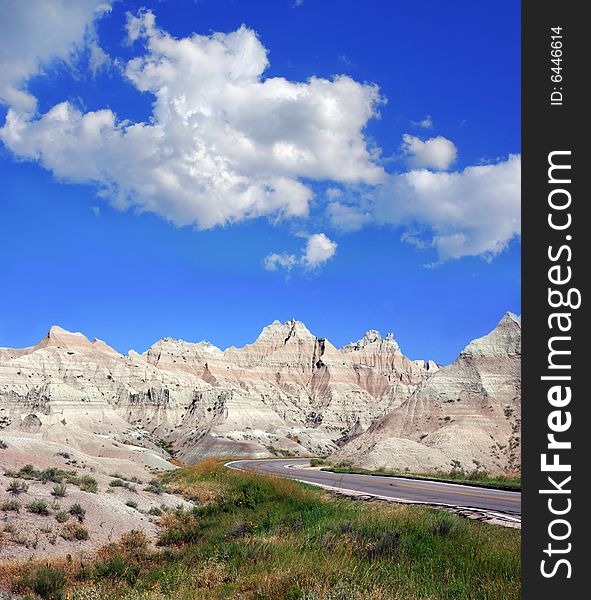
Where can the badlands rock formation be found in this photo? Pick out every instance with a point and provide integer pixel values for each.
(288, 391)
(469, 412)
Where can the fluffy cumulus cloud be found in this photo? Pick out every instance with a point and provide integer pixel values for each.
(33, 35)
(434, 153)
(224, 143)
(473, 212)
(318, 250)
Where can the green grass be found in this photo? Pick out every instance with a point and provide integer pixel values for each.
(272, 539)
(475, 477)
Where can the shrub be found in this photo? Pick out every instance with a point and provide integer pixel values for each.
(51, 474)
(62, 516)
(77, 511)
(38, 507)
(134, 543)
(155, 511)
(155, 487)
(17, 486)
(118, 482)
(131, 504)
(317, 462)
(28, 471)
(74, 531)
(46, 582)
(59, 490)
(10, 505)
(88, 484)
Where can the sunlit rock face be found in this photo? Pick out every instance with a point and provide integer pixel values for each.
(468, 414)
(288, 391)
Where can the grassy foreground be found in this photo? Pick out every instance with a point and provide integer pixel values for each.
(257, 537)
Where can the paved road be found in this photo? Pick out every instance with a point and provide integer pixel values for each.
(432, 492)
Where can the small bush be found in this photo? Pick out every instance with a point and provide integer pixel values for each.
(17, 486)
(131, 504)
(155, 487)
(155, 511)
(46, 582)
(51, 474)
(38, 507)
(73, 531)
(59, 490)
(88, 484)
(126, 478)
(317, 462)
(28, 471)
(77, 511)
(10, 505)
(134, 543)
(62, 516)
(118, 482)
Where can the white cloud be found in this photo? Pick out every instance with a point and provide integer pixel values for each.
(35, 34)
(224, 144)
(426, 123)
(435, 153)
(347, 217)
(285, 261)
(318, 250)
(474, 212)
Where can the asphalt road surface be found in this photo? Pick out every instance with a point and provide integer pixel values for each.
(396, 488)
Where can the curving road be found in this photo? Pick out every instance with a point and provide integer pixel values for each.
(491, 501)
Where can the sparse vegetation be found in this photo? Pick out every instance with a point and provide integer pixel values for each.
(167, 446)
(88, 484)
(58, 476)
(76, 510)
(317, 462)
(118, 482)
(131, 504)
(155, 487)
(127, 478)
(10, 506)
(17, 486)
(59, 490)
(62, 516)
(274, 539)
(38, 507)
(73, 531)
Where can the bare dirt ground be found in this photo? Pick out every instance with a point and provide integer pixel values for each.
(107, 514)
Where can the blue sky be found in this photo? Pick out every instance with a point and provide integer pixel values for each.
(209, 219)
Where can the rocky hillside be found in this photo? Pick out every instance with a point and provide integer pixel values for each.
(288, 391)
(466, 415)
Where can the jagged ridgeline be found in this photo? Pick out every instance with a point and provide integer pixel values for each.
(287, 392)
